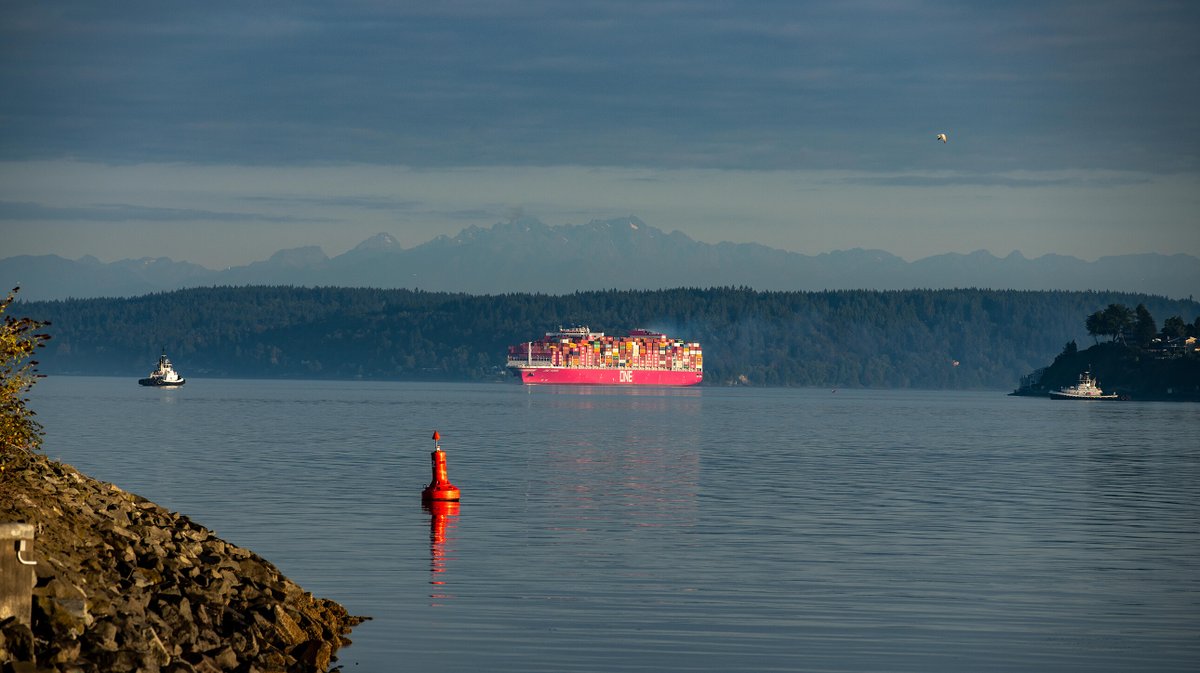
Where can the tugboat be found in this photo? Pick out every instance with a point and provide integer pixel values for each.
(164, 376)
(1086, 389)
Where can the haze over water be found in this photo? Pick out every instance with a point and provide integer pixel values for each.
(703, 529)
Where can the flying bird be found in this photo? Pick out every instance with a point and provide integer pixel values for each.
(941, 137)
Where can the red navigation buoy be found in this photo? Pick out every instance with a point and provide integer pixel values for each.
(440, 488)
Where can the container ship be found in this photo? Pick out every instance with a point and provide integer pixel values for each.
(577, 355)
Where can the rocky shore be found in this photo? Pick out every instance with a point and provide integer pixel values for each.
(125, 585)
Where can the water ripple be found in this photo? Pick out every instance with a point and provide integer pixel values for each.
(698, 530)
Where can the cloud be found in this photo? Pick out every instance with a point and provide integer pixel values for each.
(996, 180)
(379, 203)
(121, 212)
(754, 85)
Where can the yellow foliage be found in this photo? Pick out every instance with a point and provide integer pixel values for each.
(18, 372)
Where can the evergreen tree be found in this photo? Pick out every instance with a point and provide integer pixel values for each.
(1144, 329)
(1095, 325)
(1113, 322)
(1174, 327)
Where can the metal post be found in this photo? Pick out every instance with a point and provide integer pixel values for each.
(17, 576)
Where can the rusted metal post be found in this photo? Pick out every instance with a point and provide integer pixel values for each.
(17, 576)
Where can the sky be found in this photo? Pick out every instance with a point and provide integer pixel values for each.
(219, 133)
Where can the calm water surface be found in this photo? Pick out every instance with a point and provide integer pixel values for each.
(703, 529)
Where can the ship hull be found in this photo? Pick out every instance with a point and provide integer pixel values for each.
(1070, 396)
(605, 377)
(159, 383)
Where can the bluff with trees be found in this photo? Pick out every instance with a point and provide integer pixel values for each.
(1137, 359)
(956, 339)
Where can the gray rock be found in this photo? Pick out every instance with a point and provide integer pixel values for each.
(129, 586)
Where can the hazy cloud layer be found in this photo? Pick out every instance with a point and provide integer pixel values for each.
(123, 212)
(847, 85)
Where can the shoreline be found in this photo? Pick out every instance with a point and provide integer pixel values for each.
(123, 584)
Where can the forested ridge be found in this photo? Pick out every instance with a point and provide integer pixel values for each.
(955, 339)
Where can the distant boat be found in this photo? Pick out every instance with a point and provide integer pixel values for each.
(164, 376)
(1086, 389)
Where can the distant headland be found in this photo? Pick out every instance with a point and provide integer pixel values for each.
(1138, 362)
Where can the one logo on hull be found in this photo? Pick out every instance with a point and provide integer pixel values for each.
(626, 376)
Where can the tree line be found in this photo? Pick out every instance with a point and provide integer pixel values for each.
(955, 339)
(1121, 323)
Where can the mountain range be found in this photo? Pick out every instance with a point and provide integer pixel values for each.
(526, 255)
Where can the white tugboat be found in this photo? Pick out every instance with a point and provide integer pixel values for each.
(164, 376)
(1086, 389)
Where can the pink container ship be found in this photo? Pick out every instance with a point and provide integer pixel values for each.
(577, 355)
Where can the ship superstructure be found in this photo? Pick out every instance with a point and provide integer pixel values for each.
(164, 375)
